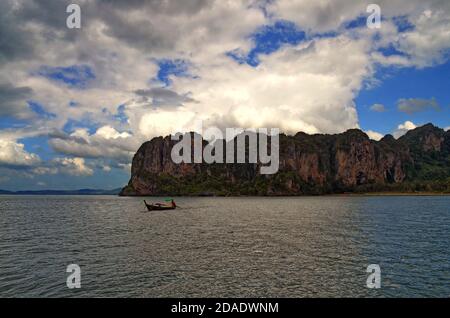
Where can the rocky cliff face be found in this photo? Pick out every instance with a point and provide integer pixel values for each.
(309, 164)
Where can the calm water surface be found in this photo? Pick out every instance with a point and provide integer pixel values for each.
(225, 247)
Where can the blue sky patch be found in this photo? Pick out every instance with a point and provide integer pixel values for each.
(169, 68)
(120, 115)
(267, 40)
(390, 51)
(38, 145)
(71, 125)
(40, 110)
(398, 83)
(403, 24)
(75, 76)
(358, 22)
(8, 122)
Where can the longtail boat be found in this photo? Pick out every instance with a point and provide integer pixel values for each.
(160, 206)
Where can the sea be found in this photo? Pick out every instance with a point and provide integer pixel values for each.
(323, 246)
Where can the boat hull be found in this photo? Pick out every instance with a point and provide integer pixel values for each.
(151, 207)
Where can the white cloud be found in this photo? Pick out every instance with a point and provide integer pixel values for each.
(403, 128)
(126, 167)
(43, 170)
(317, 16)
(374, 135)
(305, 88)
(108, 132)
(407, 125)
(310, 87)
(162, 122)
(378, 108)
(428, 42)
(74, 166)
(106, 142)
(63, 165)
(14, 154)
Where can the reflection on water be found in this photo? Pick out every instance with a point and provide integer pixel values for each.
(225, 247)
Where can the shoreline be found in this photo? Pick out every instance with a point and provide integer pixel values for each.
(345, 194)
(393, 194)
(368, 194)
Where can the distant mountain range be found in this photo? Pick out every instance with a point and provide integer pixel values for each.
(63, 192)
(419, 161)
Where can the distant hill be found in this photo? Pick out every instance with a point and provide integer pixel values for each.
(419, 161)
(63, 192)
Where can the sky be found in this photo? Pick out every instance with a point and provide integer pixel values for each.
(76, 104)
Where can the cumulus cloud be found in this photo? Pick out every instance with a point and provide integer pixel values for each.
(427, 44)
(298, 88)
(15, 42)
(414, 105)
(13, 100)
(108, 132)
(163, 122)
(46, 169)
(379, 108)
(106, 142)
(403, 128)
(73, 166)
(374, 135)
(305, 87)
(14, 154)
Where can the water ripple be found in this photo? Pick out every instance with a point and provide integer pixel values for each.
(225, 247)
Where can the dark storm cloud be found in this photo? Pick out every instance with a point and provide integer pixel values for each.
(120, 149)
(18, 33)
(164, 97)
(13, 100)
(166, 7)
(57, 134)
(15, 43)
(414, 105)
(51, 13)
(142, 33)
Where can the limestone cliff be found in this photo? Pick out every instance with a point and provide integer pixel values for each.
(309, 164)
